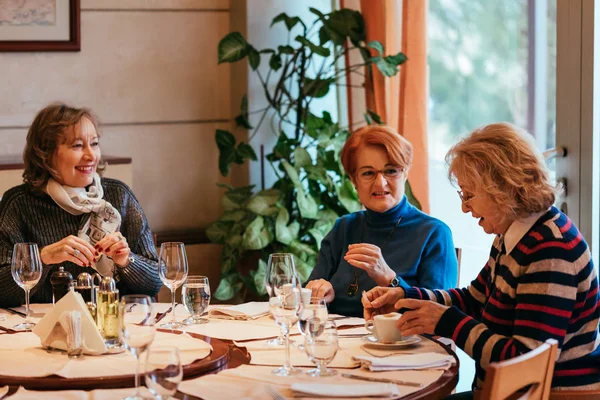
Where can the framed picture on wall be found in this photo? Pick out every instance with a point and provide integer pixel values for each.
(40, 25)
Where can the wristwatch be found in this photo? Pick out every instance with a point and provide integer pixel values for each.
(395, 282)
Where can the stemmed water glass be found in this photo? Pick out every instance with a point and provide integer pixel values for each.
(136, 330)
(195, 296)
(321, 346)
(26, 269)
(315, 311)
(172, 270)
(285, 302)
(163, 371)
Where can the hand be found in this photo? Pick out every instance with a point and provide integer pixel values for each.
(116, 247)
(321, 289)
(380, 300)
(423, 316)
(71, 248)
(369, 258)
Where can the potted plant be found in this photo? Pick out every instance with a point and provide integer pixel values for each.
(311, 190)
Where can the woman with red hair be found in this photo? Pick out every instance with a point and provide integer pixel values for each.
(390, 243)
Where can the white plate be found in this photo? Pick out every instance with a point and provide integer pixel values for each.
(371, 341)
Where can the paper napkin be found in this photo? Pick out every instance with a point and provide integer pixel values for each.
(408, 361)
(244, 312)
(52, 333)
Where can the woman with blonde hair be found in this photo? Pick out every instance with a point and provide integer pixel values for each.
(539, 281)
(78, 219)
(390, 243)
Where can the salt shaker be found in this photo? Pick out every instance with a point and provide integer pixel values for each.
(60, 281)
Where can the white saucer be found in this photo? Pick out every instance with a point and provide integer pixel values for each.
(372, 341)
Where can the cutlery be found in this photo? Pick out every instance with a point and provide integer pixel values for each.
(160, 316)
(274, 393)
(8, 330)
(10, 310)
(382, 380)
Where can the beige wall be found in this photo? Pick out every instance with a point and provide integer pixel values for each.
(148, 68)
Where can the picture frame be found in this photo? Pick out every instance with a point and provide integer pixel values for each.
(40, 25)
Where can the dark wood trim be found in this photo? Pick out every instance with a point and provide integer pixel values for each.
(73, 44)
(16, 162)
(188, 236)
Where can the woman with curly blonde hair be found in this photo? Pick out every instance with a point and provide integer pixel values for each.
(539, 281)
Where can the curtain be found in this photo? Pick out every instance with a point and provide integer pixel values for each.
(401, 101)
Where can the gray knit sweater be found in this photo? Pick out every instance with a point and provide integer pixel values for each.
(29, 217)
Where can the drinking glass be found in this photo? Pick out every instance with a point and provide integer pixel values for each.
(172, 270)
(315, 311)
(279, 340)
(321, 346)
(195, 296)
(285, 302)
(136, 330)
(163, 371)
(26, 269)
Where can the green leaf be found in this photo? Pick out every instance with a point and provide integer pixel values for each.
(346, 23)
(301, 158)
(397, 59)
(376, 45)
(373, 117)
(245, 151)
(388, 69)
(286, 49)
(236, 198)
(303, 269)
(317, 13)
(324, 36)
(348, 197)
(319, 174)
(253, 58)
(275, 61)
(234, 215)
(228, 259)
(410, 196)
(228, 287)
(234, 241)
(243, 119)
(317, 87)
(218, 231)
(292, 173)
(232, 48)
(264, 202)
(259, 277)
(225, 140)
(226, 158)
(320, 50)
(256, 236)
(290, 22)
(282, 232)
(306, 204)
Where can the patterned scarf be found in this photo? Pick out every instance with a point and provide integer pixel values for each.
(102, 219)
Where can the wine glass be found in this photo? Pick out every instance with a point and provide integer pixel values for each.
(315, 311)
(26, 269)
(279, 340)
(172, 270)
(136, 330)
(163, 371)
(195, 296)
(321, 346)
(285, 302)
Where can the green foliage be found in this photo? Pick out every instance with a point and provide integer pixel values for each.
(312, 191)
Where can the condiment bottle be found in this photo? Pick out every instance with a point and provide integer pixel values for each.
(60, 280)
(107, 311)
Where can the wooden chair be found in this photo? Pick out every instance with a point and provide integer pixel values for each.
(533, 370)
(575, 395)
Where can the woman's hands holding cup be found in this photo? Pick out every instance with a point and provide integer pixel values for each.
(380, 300)
(116, 247)
(421, 317)
(71, 248)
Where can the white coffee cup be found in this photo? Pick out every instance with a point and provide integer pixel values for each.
(384, 327)
(306, 295)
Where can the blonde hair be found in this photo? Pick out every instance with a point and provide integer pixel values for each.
(398, 149)
(501, 160)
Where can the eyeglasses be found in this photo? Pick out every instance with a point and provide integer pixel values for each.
(369, 175)
(464, 198)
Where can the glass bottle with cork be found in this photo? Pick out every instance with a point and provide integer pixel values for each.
(107, 315)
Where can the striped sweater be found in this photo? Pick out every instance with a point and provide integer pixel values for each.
(546, 287)
(25, 217)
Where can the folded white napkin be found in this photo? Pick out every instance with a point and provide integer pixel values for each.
(53, 334)
(332, 390)
(246, 311)
(408, 361)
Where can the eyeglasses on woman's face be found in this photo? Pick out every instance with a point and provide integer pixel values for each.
(465, 198)
(369, 175)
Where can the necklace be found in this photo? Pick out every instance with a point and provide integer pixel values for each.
(353, 286)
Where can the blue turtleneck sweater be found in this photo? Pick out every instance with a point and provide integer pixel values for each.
(420, 250)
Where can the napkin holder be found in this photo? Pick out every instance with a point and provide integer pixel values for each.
(53, 334)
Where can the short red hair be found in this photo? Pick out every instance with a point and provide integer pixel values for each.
(398, 149)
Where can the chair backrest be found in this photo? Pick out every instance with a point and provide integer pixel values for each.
(458, 251)
(535, 368)
(575, 395)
